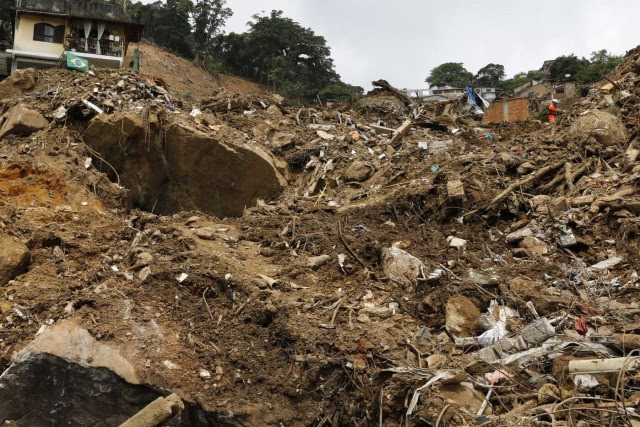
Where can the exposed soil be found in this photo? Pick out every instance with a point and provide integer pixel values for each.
(185, 80)
(288, 338)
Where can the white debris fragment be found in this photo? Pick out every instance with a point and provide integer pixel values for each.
(608, 264)
(170, 365)
(182, 277)
(325, 135)
(457, 243)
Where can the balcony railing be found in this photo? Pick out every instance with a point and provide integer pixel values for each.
(107, 47)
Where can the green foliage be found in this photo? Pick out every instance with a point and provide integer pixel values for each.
(452, 73)
(169, 24)
(583, 71)
(490, 75)
(340, 90)
(564, 65)
(208, 18)
(5, 22)
(281, 53)
(602, 63)
(519, 79)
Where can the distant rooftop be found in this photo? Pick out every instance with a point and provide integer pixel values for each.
(76, 8)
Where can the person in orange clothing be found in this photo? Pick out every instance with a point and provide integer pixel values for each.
(553, 110)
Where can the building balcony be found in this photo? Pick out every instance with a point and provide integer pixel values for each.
(110, 56)
(110, 48)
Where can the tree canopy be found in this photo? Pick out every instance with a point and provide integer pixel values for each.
(208, 18)
(5, 22)
(452, 73)
(187, 27)
(281, 53)
(602, 63)
(340, 90)
(563, 65)
(490, 75)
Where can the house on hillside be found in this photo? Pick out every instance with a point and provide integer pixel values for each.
(45, 31)
(446, 90)
(546, 89)
(439, 90)
(546, 65)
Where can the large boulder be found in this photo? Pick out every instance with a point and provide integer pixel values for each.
(66, 377)
(23, 121)
(14, 259)
(606, 128)
(74, 343)
(170, 168)
(40, 389)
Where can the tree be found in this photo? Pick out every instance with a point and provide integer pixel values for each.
(281, 53)
(602, 63)
(564, 65)
(167, 24)
(5, 22)
(452, 73)
(124, 4)
(340, 90)
(209, 17)
(490, 75)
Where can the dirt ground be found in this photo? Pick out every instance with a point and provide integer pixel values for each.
(187, 81)
(343, 299)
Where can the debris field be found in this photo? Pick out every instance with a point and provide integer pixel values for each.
(244, 261)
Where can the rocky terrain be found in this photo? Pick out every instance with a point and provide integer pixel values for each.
(375, 263)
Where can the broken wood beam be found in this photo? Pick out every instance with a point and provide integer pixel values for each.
(381, 130)
(402, 131)
(529, 179)
(398, 93)
(157, 412)
(602, 366)
(612, 199)
(627, 342)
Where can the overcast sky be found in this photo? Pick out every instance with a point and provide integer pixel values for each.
(401, 40)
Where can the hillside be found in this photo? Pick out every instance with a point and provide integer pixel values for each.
(186, 81)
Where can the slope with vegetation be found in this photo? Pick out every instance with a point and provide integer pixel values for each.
(583, 71)
(275, 50)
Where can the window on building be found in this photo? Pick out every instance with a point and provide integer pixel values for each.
(44, 32)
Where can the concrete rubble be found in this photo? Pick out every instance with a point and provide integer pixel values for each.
(381, 262)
